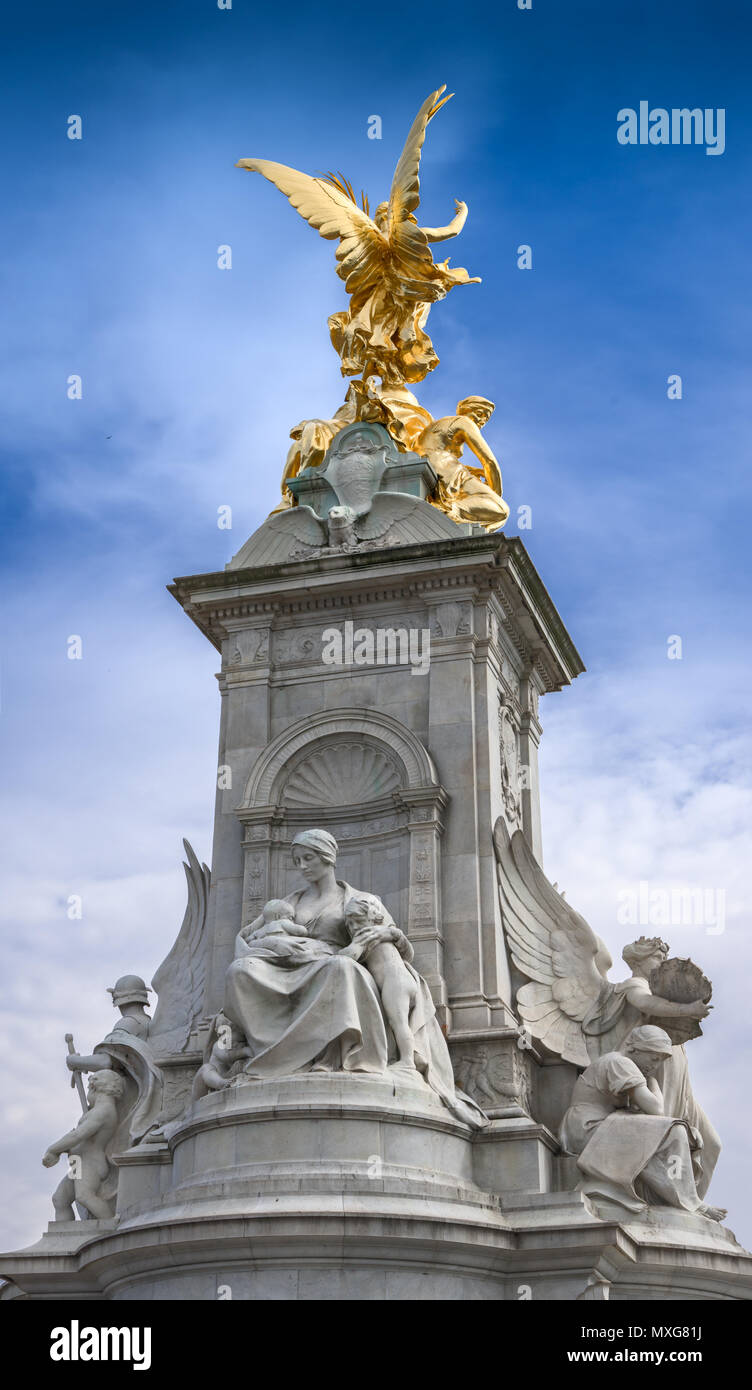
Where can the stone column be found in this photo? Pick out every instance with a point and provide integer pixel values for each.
(425, 917)
(244, 732)
(257, 856)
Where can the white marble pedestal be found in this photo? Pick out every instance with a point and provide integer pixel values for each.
(344, 1187)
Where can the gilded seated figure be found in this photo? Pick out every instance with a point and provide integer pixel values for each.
(466, 493)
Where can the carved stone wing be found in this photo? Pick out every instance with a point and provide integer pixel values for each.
(403, 519)
(279, 536)
(179, 981)
(386, 509)
(552, 945)
(362, 248)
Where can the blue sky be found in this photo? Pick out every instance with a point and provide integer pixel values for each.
(193, 377)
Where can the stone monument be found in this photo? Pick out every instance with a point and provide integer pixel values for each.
(386, 1059)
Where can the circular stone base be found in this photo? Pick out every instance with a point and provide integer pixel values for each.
(321, 1132)
(335, 1187)
(321, 1186)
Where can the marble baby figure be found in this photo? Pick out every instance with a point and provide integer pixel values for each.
(89, 1166)
(280, 937)
(224, 1047)
(369, 925)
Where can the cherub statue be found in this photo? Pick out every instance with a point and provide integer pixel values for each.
(383, 949)
(571, 1006)
(631, 1149)
(225, 1046)
(385, 261)
(465, 493)
(471, 1072)
(90, 1172)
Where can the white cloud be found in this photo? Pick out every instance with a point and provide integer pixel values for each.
(648, 776)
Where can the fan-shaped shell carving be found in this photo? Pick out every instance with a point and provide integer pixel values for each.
(345, 774)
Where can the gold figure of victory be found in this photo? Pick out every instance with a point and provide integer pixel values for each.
(392, 280)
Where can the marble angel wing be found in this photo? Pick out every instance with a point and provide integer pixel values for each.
(328, 205)
(179, 981)
(550, 943)
(280, 536)
(399, 519)
(386, 508)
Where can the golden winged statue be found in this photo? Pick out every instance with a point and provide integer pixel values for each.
(392, 280)
(385, 260)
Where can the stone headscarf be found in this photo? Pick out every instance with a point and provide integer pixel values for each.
(647, 1038)
(321, 842)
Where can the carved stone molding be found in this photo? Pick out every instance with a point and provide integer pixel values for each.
(475, 568)
(509, 751)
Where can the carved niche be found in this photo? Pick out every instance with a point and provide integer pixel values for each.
(341, 774)
(369, 781)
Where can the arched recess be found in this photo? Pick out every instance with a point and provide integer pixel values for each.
(335, 724)
(371, 782)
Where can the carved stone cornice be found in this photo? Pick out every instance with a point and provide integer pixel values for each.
(463, 568)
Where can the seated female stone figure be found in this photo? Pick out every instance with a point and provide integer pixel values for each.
(630, 1152)
(325, 1013)
(631, 1003)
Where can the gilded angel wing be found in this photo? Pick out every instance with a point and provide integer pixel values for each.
(405, 194)
(179, 981)
(552, 945)
(405, 236)
(333, 213)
